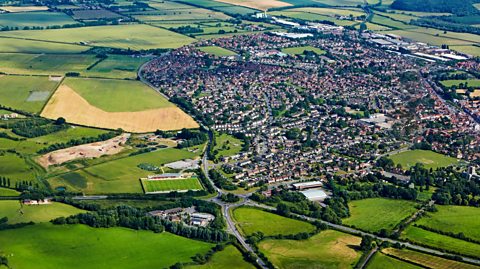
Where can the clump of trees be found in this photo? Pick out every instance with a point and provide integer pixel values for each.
(34, 127)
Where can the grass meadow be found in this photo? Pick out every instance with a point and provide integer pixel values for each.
(302, 50)
(217, 51)
(227, 145)
(133, 36)
(37, 18)
(382, 261)
(17, 212)
(251, 220)
(8, 192)
(455, 219)
(15, 91)
(420, 236)
(14, 45)
(230, 257)
(117, 95)
(51, 246)
(428, 158)
(16, 168)
(117, 176)
(375, 214)
(329, 249)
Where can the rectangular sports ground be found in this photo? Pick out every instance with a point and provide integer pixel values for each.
(169, 185)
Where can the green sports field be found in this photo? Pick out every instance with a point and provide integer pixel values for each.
(251, 220)
(118, 176)
(44, 64)
(49, 246)
(436, 240)
(382, 261)
(375, 214)
(329, 249)
(133, 36)
(301, 50)
(117, 95)
(17, 213)
(36, 18)
(25, 93)
(151, 186)
(230, 257)
(217, 51)
(455, 219)
(428, 158)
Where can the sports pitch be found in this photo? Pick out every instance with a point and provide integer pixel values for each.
(168, 185)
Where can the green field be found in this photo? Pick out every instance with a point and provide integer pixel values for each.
(44, 64)
(38, 19)
(432, 239)
(227, 145)
(30, 46)
(329, 249)
(19, 92)
(456, 219)
(425, 260)
(8, 192)
(375, 214)
(302, 50)
(171, 185)
(428, 158)
(230, 257)
(471, 50)
(50, 246)
(14, 167)
(217, 51)
(118, 176)
(17, 212)
(117, 66)
(133, 36)
(453, 82)
(251, 220)
(117, 95)
(382, 261)
(303, 15)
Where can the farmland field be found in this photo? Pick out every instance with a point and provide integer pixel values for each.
(428, 158)
(230, 257)
(329, 249)
(471, 50)
(13, 9)
(257, 4)
(303, 15)
(44, 64)
(425, 260)
(376, 213)
(31, 46)
(15, 168)
(432, 239)
(331, 11)
(456, 219)
(118, 176)
(16, 90)
(302, 50)
(151, 186)
(217, 51)
(51, 246)
(29, 19)
(134, 36)
(382, 261)
(17, 213)
(117, 66)
(173, 15)
(134, 108)
(252, 220)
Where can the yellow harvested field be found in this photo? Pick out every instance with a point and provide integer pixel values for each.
(475, 93)
(257, 4)
(24, 8)
(68, 104)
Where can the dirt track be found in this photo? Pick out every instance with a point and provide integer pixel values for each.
(86, 151)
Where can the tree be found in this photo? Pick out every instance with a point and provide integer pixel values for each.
(283, 209)
(60, 121)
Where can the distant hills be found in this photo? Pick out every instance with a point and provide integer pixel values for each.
(458, 7)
